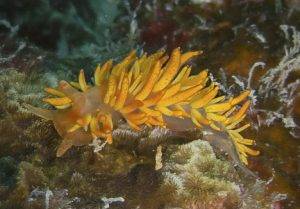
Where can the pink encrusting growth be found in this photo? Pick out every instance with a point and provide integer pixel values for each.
(151, 90)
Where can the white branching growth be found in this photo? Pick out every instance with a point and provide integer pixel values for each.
(108, 201)
(58, 198)
(274, 84)
(98, 145)
(276, 78)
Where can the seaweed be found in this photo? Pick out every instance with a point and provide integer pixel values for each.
(80, 31)
(29, 177)
(58, 38)
(276, 83)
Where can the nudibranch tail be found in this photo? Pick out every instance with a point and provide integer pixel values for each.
(151, 90)
(43, 113)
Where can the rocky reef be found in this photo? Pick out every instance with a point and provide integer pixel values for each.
(32, 176)
(246, 44)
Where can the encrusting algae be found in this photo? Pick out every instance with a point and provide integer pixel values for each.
(152, 90)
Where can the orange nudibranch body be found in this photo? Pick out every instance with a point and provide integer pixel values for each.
(150, 90)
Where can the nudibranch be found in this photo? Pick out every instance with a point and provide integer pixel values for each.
(149, 90)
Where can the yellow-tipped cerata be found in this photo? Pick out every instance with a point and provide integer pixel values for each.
(147, 90)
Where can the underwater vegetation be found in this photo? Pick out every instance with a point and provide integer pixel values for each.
(34, 179)
(248, 46)
(191, 171)
(90, 22)
(277, 83)
(15, 89)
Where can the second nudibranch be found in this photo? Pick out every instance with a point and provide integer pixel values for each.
(151, 90)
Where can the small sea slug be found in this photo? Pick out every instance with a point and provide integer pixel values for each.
(150, 90)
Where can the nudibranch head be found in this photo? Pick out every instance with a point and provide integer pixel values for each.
(150, 90)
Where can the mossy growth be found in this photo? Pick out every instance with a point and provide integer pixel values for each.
(29, 177)
(21, 133)
(190, 178)
(195, 178)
